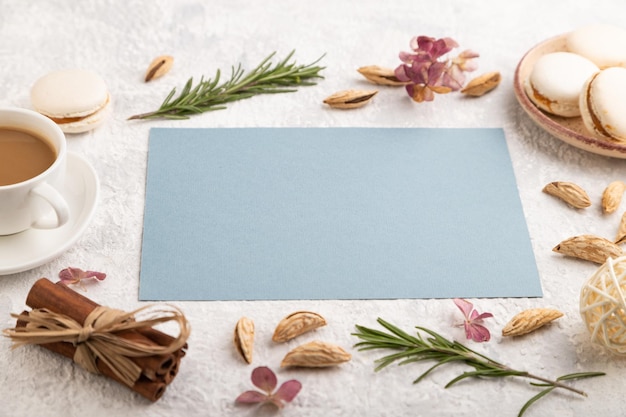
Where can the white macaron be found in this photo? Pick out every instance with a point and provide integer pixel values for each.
(603, 104)
(556, 80)
(76, 99)
(603, 44)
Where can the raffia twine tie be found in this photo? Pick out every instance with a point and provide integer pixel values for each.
(97, 338)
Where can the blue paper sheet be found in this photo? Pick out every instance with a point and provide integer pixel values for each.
(333, 213)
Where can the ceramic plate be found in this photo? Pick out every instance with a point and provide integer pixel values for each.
(569, 130)
(34, 247)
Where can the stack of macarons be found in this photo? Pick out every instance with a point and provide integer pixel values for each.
(587, 79)
(76, 99)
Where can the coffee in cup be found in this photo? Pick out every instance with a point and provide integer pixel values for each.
(32, 172)
(23, 155)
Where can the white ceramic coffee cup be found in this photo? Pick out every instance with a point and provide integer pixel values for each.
(36, 202)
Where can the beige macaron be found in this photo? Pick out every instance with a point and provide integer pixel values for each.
(603, 104)
(76, 99)
(555, 82)
(603, 44)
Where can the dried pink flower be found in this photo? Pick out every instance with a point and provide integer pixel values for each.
(426, 73)
(424, 80)
(265, 379)
(473, 329)
(428, 49)
(464, 62)
(70, 276)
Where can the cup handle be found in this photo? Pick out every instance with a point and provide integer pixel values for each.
(58, 203)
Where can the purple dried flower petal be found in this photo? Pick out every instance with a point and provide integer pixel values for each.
(404, 72)
(477, 332)
(442, 47)
(465, 306)
(100, 276)
(433, 48)
(410, 89)
(423, 44)
(288, 390)
(264, 378)
(406, 57)
(435, 71)
(72, 275)
(252, 397)
(424, 40)
(454, 78)
(482, 316)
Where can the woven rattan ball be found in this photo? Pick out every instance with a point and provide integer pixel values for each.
(603, 306)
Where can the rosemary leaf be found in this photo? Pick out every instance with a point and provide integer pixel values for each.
(442, 351)
(210, 95)
(534, 400)
(579, 375)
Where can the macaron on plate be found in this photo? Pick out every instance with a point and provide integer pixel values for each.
(571, 130)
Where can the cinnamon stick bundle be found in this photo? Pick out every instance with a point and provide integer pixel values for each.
(157, 370)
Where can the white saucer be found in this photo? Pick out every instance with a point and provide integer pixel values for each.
(34, 247)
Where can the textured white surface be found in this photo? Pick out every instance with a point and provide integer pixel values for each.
(119, 39)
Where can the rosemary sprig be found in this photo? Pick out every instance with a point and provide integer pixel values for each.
(210, 94)
(436, 348)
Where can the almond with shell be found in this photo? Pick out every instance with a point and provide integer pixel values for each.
(159, 67)
(297, 323)
(569, 192)
(530, 320)
(380, 75)
(350, 99)
(612, 196)
(482, 84)
(589, 247)
(316, 354)
(244, 338)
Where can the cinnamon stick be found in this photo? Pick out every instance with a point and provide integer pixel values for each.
(59, 298)
(160, 338)
(152, 390)
(157, 370)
